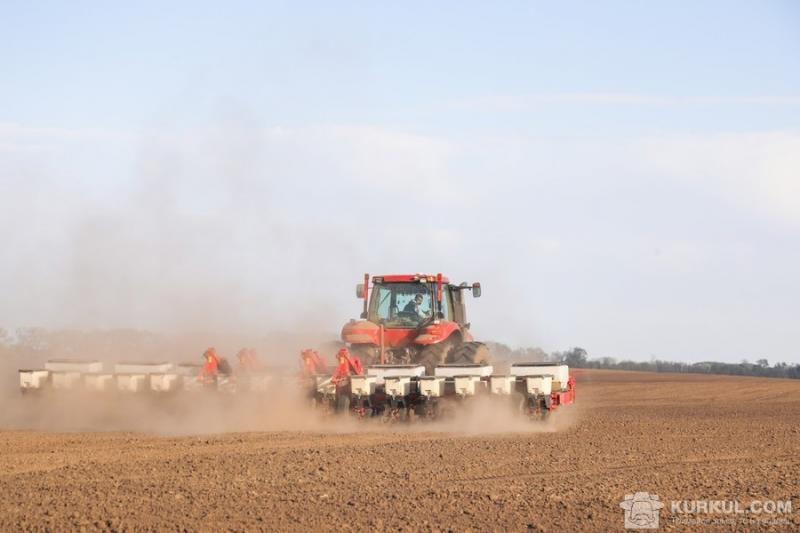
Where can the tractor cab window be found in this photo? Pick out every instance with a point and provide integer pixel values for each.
(446, 308)
(400, 305)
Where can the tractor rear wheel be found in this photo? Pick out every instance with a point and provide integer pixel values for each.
(367, 353)
(434, 354)
(470, 352)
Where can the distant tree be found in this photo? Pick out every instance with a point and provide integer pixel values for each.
(607, 362)
(579, 358)
(576, 357)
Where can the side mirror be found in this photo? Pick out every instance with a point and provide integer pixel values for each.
(360, 290)
(476, 290)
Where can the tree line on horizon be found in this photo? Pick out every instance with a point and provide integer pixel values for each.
(579, 358)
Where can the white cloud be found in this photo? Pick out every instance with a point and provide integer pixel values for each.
(386, 159)
(18, 137)
(523, 102)
(757, 172)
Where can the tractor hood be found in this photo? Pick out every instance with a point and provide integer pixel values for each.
(361, 332)
(366, 332)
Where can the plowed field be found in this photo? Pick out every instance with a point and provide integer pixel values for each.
(682, 437)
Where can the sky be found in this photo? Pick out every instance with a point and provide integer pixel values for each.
(619, 176)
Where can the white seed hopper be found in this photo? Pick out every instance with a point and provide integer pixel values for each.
(454, 370)
(502, 384)
(98, 382)
(559, 372)
(363, 385)
(389, 371)
(65, 380)
(33, 379)
(432, 386)
(165, 382)
(539, 385)
(397, 385)
(132, 382)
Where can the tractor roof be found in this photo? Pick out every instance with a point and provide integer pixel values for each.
(407, 278)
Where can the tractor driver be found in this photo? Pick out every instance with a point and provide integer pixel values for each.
(413, 307)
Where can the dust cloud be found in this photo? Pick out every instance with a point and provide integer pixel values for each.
(205, 232)
(288, 406)
(180, 242)
(226, 237)
(198, 414)
(185, 413)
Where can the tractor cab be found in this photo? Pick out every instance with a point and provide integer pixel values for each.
(407, 301)
(407, 318)
(402, 304)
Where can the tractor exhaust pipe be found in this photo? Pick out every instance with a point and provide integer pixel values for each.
(366, 293)
(383, 353)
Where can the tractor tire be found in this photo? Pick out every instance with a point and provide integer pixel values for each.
(434, 354)
(367, 353)
(470, 352)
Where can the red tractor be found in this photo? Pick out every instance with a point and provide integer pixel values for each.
(413, 319)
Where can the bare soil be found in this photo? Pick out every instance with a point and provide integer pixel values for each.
(682, 437)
